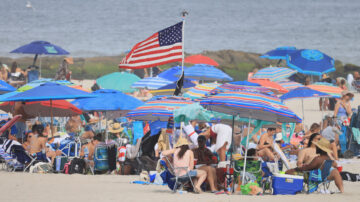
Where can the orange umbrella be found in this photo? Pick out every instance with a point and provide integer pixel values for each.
(269, 84)
(200, 59)
(324, 87)
(79, 88)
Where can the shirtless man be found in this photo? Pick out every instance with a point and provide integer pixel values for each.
(306, 155)
(38, 142)
(88, 134)
(73, 124)
(87, 151)
(21, 123)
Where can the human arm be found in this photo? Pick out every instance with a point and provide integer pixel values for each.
(169, 152)
(262, 143)
(336, 109)
(300, 160)
(191, 163)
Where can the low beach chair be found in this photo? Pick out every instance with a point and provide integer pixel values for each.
(315, 181)
(180, 181)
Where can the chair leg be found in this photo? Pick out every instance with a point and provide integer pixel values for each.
(175, 185)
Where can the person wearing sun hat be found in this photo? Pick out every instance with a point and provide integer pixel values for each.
(184, 158)
(323, 165)
(115, 130)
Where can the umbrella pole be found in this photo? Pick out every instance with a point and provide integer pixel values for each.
(36, 55)
(279, 62)
(106, 123)
(246, 150)
(52, 119)
(40, 68)
(303, 113)
(232, 151)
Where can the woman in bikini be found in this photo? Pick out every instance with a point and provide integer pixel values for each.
(265, 145)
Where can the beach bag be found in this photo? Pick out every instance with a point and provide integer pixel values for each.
(41, 167)
(77, 166)
(66, 168)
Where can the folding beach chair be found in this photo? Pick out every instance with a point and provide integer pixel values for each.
(180, 181)
(315, 182)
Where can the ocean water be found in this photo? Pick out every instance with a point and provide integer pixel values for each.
(110, 27)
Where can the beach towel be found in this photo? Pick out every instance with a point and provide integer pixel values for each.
(138, 130)
(356, 134)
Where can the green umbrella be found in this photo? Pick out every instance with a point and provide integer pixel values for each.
(120, 81)
(191, 112)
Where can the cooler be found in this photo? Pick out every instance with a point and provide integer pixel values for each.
(287, 184)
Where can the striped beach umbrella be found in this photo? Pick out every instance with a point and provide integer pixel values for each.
(289, 85)
(269, 84)
(227, 87)
(200, 90)
(151, 83)
(206, 73)
(251, 105)
(158, 110)
(328, 88)
(274, 73)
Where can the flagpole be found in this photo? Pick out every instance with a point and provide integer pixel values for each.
(184, 13)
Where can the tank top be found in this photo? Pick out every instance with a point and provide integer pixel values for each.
(342, 112)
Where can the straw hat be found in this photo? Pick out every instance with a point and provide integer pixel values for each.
(69, 60)
(181, 141)
(323, 144)
(115, 128)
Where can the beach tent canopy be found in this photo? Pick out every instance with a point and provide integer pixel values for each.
(310, 61)
(205, 72)
(200, 59)
(279, 53)
(120, 81)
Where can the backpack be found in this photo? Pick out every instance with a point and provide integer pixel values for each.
(77, 166)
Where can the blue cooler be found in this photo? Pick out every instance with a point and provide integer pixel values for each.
(287, 184)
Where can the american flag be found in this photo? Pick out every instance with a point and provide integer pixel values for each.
(161, 48)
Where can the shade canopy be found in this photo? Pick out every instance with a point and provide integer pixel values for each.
(41, 48)
(279, 53)
(120, 81)
(303, 92)
(250, 105)
(5, 87)
(151, 83)
(158, 110)
(205, 72)
(310, 61)
(274, 73)
(108, 100)
(60, 108)
(201, 59)
(49, 91)
(200, 90)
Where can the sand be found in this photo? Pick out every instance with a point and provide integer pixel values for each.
(79, 188)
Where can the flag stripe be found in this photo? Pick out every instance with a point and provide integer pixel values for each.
(160, 48)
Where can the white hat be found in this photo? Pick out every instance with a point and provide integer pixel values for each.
(278, 137)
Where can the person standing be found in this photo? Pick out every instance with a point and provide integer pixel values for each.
(63, 73)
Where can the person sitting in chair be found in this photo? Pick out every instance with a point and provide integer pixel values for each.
(323, 165)
(184, 158)
(204, 160)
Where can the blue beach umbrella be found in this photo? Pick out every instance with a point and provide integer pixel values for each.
(309, 61)
(40, 48)
(5, 87)
(49, 91)
(274, 73)
(303, 93)
(151, 83)
(279, 53)
(170, 73)
(170, 88)
(205, 72)
(107, 100)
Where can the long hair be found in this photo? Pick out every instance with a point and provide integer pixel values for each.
(182, 151)
(312, 138)
(13, 67)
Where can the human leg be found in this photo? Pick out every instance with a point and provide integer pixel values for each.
(200, 178)
(222, 152)
(335, 175)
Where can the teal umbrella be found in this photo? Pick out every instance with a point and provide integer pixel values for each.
(120, 81)
(191, 112)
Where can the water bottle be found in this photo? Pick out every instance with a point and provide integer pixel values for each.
(182, 192)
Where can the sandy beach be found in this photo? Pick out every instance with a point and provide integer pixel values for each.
(81, 188)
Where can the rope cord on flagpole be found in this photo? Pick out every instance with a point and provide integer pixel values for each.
(183, 13)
